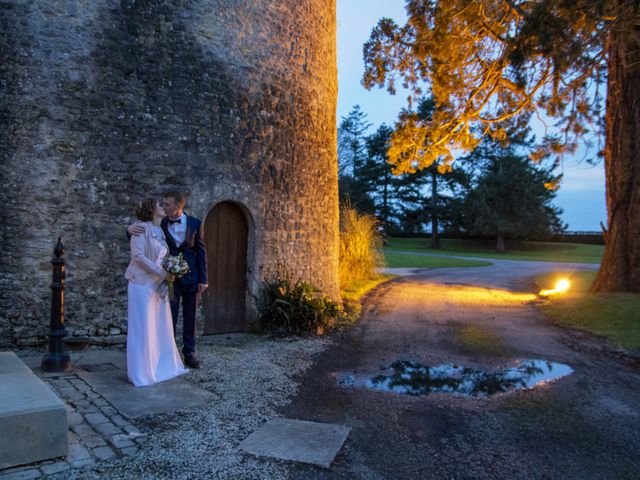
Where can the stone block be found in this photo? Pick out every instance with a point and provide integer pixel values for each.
(33, 420)
(297, 440)
(10, 363)
(107, 429)
(56, 467)
(26, 474)
(94, 441)
(132, 402)
(74, 418)
(96, 419)
(103, 453)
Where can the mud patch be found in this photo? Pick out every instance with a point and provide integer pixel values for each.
(476, 339)
(411, 378)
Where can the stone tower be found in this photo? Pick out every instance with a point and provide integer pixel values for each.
(104, 102)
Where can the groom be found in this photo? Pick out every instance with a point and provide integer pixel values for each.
(183, 234)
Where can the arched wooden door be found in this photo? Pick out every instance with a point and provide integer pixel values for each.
(225, 237)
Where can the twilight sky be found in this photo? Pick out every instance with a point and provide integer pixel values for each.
(582, 194)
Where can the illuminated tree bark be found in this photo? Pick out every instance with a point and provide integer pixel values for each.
(620, 268)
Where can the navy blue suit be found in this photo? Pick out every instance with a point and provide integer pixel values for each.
(186, 288)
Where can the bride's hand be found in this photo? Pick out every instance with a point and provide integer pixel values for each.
(170, 277)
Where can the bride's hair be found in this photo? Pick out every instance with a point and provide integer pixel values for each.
(145, 209)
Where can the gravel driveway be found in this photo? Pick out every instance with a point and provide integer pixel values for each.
(583, 426)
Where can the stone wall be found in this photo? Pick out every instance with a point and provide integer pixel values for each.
(104, 102)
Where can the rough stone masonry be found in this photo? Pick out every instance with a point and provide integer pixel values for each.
(103, 102)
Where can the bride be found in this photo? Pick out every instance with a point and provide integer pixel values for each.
(152, 355)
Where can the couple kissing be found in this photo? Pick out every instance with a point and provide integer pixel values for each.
(163, 231)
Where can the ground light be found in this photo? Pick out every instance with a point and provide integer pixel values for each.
(562, 286)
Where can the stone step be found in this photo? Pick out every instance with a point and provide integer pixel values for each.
(33, 420)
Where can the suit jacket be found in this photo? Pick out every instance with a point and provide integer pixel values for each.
(192, 250)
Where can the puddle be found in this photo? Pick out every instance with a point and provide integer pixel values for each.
(414, 379)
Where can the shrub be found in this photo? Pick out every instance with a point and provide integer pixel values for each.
(296, 308)
(360, 247)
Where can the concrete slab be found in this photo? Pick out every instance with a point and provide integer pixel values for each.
(297, 440)
(96, 357)
(163, 397)
(33, 420)
(80, 359)
(10, 363)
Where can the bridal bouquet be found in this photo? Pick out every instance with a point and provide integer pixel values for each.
(175, 265)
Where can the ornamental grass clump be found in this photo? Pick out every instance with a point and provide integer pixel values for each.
(296, 308)
(360, 247)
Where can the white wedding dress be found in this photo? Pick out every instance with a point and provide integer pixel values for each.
(152, 355)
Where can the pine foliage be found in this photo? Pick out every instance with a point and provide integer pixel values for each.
(487, 61)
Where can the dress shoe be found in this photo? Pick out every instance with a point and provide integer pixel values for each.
(191, 361)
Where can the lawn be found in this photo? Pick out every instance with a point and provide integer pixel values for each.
(402, 260)
(516, 250)
(615, 316)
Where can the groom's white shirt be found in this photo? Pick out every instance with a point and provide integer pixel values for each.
(179, 230)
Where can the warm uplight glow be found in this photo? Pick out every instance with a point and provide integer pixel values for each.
(562, 286)
(464, 295)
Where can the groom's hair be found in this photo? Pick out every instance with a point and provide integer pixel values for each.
(176, 195)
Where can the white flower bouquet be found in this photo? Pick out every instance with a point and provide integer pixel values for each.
(175, 265)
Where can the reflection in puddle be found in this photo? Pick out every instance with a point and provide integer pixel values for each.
(414, 379)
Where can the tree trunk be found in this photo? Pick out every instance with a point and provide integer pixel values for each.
(435, 238)
(385, 201)
(620, 268)
(500, 248)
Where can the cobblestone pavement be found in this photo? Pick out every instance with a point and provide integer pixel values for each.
(97, 431)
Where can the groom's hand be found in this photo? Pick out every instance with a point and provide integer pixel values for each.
(136, 228)
(202, 287)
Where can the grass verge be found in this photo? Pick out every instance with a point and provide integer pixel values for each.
(404, 260)
(355, 291)
(516, 250)
(615, 316)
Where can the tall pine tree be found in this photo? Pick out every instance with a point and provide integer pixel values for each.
(511, 197)
(377, 175)
(352, 155)
(445, 183)
(489, 60)
(509, 200)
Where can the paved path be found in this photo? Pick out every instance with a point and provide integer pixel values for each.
(584, 426)
(102, 407)
(513, 274)
(121, 432)
(97, 430)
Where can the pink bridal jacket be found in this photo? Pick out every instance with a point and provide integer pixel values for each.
(144, 268)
